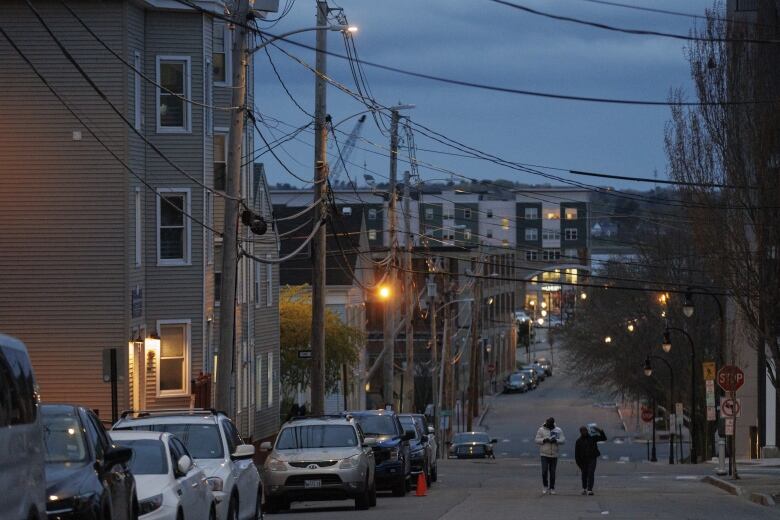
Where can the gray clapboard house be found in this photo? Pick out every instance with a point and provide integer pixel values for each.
(92, 253)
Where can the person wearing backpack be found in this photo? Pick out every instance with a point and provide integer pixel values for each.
(586, 455)
(549, 437)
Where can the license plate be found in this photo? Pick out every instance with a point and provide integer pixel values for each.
(311, 484)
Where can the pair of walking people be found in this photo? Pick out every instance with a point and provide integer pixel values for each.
(550, 437)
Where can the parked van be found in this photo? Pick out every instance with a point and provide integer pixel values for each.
(22, 478)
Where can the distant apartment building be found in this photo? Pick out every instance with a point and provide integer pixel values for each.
(97, 254)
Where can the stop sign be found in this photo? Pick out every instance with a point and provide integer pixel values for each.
(731, 378)
(647, 414)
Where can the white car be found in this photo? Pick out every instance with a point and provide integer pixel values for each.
(217, 448)
(169, 485)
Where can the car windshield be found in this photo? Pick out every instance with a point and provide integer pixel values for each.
(202, 440)
(408, 424)
(470, 437)
(148, 456)
(317, 436)
(516, 378)
(63, 437)
(378, 424)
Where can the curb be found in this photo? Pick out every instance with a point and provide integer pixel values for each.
(485, 411)
(726, 486)
(762, 499)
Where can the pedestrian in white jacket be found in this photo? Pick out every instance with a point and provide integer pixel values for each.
(549, 437)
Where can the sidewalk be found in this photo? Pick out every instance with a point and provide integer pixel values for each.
(761, 489)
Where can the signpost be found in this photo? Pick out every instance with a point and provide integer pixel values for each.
(730, 407)
(729, 426)
(304, 354)
(647, 414)
(708, 369)
(731, 378)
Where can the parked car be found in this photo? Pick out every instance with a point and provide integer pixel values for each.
(545, 364)
(22, 474)
(522, 316)
(419, 454)
(471, 445)
(87, 476)
(216, 446)
(515, 382)
(540, 373)
(391, 451)
(432, 445)
(532, 376)
(320, 458)
(168, 483)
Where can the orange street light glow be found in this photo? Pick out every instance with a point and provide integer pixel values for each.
(384, 292)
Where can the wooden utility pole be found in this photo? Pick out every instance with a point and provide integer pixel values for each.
(318, 249)
(474, 355)
(409, 299)
(227, 311)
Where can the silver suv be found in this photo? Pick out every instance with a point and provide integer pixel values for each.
(319, 458)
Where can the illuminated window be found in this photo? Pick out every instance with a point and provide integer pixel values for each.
(571, 213)
(173, 366)
(553, 215)
(505, 223)
(372, 234)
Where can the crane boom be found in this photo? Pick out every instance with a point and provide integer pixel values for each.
(346, 150)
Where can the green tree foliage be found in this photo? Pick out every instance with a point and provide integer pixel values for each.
(342, 342)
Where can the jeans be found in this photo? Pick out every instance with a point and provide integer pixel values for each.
(548, 466)
(589, 474)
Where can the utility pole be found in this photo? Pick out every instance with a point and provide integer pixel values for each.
(409, 298)
(446, 393)
(474, 354)
(318, 249)
(227, 311)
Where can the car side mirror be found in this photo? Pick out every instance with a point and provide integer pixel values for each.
(493, 441)
(243, 451)
(369, 442)
(117, 455)
(408, 435)
(431, 430)
(184, 465)
(266, 446)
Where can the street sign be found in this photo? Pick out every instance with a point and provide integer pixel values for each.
(730, 407)
(731, 378)
(445, 413)
(709, 370)
(710, 393)
(304, 354)
(729, 422)
(711, 415)
(647, 414)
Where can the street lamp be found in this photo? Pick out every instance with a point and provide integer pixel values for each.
(540, 321)
(648, 369)
(583, 296)
(384, 292)
(630, 326)
(667, 346)
(688, 304)
(608, 339)
(351, 29)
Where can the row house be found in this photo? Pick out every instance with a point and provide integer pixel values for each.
(112, 252)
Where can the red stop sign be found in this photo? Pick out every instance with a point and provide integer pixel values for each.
(731, 378)
(647, 414)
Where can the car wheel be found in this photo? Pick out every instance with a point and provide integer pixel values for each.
(372, 495)
(213, 512)
(408, 483)
(427, 472)
(105, 508)
(399, 489)
(179, 515)
(363, 501)
(233, 508)
(259, 504)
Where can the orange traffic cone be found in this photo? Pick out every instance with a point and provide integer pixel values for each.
(422, 487)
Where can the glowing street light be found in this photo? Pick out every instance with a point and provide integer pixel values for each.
(583, 295)
(384, 292)
(667, 344)
(630, 326)
(540, 321)
(688, 305)
(544, 313)
(608, 339)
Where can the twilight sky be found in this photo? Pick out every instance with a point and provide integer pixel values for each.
(480, 41)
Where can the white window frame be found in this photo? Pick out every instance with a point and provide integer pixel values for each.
(187, 359)
(372, 234)
(208, 96)
(466, 234)
(372, 213)
(534, 232)
(467, 213)
(223, 131)
(137, 89)
(187, 128)
(187, 260)
(269, 283)
(270, 373)
(258, 382)
(489, 213)
(533, 215)
(138, 227)
(428, 213)
(257, 283)
(504, 223)
(571, 234)
(531, 255)
(228, 38)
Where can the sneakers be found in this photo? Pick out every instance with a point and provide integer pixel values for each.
(545, 491)
(584, 492)
(590, 493)
(552, 491)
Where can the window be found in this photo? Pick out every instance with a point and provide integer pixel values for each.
(571, 233)
(428, 213)
(466, 234)
(489, 233)
(572, 254)
(173, 112)
(531, 213)
(232, 436)
(257, 283)
(208, 95)
(531, 255)
(173, 229)
(747, 5)
(220, 55)
(220, 161)
(217, 274)
(138, 230)
(505, 242)
(209, 223)
(17, 399)
(346, 211)
(372, 234)
(553, 215)
(548, 234)
(137, 89)
(93, 429)
(259, 382)
(371, 213)
(270, 371)
(490, 213)
(173, 367)
(531, 234)
(505, 223)
(551, 254)
(571, 213)
(269, 283)
(429, 231)
(467, 213)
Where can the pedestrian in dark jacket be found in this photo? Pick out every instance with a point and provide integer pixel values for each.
(586, 454)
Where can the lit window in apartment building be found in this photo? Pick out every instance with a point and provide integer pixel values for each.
(220, 56)
(490, 213)
(571, 233)
(531, 255)
(428, 213)
(173, 229)
(466, 234)
(553, 215)
(531, 213)
(371, 213)
(531, 234)
(505, 223)
(220, 161)
(173, 367)
(173, 112)
(505, 242)
(571, 213)
(372, 234)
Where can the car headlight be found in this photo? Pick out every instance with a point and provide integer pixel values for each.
(394, 454)
(215, 483)
(274, 464)
(350, 462)
(148, 505)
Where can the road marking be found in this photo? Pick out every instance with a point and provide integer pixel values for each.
(605, 512)
(624, 459)
(526, 440)
(504, 453)
(618, 441)
(505, 440)
(605, 457)
(686, 477)
(565, 454)
(524, 454)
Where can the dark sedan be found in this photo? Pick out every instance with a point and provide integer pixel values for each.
(419, 454)
(516, 382)
(87, 477)
(471, 445)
